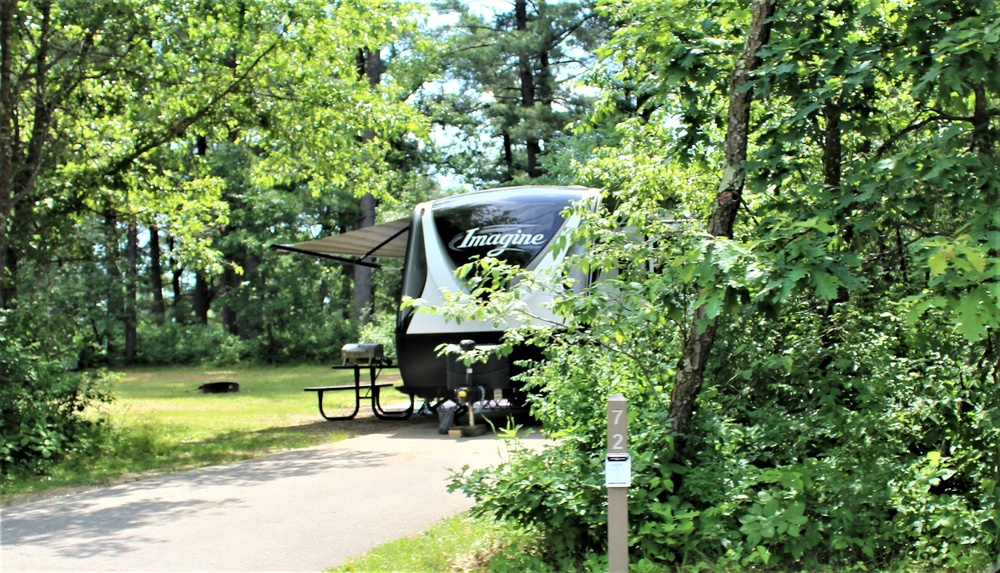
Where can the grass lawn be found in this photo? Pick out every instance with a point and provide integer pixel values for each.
(161, 423)
(460, 543)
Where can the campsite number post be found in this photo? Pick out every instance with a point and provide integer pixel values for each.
(617, 478)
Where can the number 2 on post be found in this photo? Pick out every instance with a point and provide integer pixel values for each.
(619, 441)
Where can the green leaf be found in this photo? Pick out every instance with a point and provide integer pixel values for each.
(976, 259)
(938, 262)
(826, 284)
(970, 323)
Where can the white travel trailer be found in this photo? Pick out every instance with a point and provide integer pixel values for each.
(515, 224)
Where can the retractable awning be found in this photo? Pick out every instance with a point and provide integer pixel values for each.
(358, 247)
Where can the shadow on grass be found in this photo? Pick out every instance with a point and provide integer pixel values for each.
(248, 444)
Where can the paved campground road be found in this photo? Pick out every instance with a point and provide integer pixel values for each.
(302, 510)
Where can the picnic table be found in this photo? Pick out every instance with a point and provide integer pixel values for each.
(371, 390)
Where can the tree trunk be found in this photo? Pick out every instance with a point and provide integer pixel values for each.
(508, 157)
(983, 140)
(526, 77)
(543, 96)
(21, 159)
(131, 299)
(156, 275)
(8, 272)
(698, 346)
(363, 294)
(544, 87)
(832, 169)
(832, 155)
(175, 278)
(250, 325)
(534, 148)
(227, 287)
(7, 265)
(370, 65)
(202, 297)
(114, 280)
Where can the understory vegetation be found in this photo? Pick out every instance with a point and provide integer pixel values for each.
(886, 462)
(47, 412)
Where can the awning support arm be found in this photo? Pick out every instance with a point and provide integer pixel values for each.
(385, 242)
(358, 261)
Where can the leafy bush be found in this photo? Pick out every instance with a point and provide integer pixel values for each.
(381, 330)
(46, 413)
(176, 343)
(886, 440)
(892, 465)
(847, 436)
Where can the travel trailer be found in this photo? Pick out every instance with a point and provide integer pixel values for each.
(517, 225)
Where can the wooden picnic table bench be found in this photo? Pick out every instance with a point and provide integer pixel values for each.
(371, 390)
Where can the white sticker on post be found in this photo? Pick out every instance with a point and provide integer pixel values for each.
(618, 471)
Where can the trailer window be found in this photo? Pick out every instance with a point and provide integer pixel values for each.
(515, 229)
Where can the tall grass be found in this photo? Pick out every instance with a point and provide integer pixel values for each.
(159, 423)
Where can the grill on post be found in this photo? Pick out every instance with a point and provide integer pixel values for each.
(362, 354)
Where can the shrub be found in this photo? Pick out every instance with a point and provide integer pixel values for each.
(177, 343)
(381, 330)
(46, 413)
(888, 462)
(874, 448)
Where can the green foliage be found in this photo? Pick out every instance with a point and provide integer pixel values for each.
(534, 490)
(47, 413)
(869, 451)
(181, 344)
(517, 90)
(848, 416)
(878, 451)
(218, 129)
(849, 413)
(381, 330)
(318, 107)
